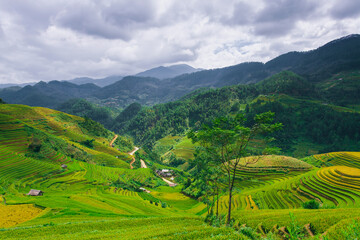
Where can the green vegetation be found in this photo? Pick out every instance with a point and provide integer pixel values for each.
(176, 151)
(226, 141)
(231, 175)
(313, 123)
(83, 108)
(96, 189)
(98, 195)
(312, 204)
(345, 229)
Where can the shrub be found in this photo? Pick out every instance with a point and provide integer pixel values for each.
(88, 143)
(35, 145)
(215, 221)
(250, 233)
(312, 204)
(295, 230)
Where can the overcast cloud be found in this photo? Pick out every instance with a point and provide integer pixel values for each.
(64, 39)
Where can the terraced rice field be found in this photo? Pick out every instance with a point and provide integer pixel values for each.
(150, 228)
(85, 200)
(269, 170)
(14, 166)
(13, 136)
(350, 159)
(336, 186)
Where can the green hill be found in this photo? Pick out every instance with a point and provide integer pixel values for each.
(313, 123)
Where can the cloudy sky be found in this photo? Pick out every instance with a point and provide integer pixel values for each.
(64, 39)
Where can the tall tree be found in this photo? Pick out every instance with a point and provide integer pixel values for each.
(227, 140)
(210, 177)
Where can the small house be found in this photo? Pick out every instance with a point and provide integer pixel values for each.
(144, 190)
(165, 173)
(34, 192)
(64, 166)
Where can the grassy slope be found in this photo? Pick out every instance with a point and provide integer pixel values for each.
(172, 148)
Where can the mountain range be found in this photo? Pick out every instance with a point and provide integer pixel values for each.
(154, 86)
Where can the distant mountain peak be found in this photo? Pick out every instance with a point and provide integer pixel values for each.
(348, 37)
(163, 72)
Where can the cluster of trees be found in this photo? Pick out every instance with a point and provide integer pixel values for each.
(223, 144)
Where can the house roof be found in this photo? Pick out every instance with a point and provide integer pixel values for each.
(34, 192)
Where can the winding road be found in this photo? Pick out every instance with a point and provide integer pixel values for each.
(132, 154)
(113, 140)
(171, 184)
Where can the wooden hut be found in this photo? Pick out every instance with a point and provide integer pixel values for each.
(64, 166)
(34, 192)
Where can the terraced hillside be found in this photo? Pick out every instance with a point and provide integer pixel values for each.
(97, 195)
(177, 151)
(96, 185)
(269, 198)
(350, 159)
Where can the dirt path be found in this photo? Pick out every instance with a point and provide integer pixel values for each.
(171, 184)
(143, 164)
(113, 140)
(132, 154)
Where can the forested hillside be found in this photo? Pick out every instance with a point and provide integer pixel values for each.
(309, 112)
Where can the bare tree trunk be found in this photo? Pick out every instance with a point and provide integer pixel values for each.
(217, 202)
(212, 205)
(229, 208)
(230, 192)
(231, 185)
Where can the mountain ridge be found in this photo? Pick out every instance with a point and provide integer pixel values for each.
(315, 65)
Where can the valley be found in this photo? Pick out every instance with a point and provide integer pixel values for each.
(277, 143)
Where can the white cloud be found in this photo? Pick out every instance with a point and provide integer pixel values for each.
(63, 39)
